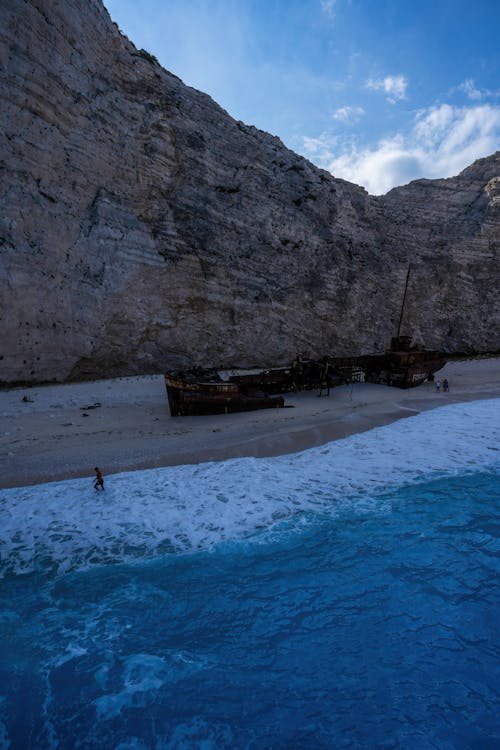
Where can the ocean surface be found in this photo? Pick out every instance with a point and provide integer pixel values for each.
(342, 597)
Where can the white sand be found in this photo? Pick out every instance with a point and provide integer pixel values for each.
(49, 438)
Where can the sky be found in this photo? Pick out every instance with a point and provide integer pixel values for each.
(378, 92)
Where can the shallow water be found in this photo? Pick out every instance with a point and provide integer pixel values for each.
(365, 618)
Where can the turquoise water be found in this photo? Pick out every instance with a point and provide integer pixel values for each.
(374, 626)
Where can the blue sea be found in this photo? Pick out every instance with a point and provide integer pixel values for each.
(342, 597)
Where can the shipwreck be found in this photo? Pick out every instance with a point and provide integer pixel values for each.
(201, 391)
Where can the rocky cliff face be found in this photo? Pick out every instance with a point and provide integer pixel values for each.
(142, 228)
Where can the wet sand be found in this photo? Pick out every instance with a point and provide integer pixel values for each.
(61, 432)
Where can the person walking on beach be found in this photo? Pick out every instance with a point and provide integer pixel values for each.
(438, 385)
(99, 481)
(446, 386)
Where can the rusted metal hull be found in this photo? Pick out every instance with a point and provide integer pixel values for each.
(303, 374)
(397, 369)
(276, 380)
(403, 365)
(197, 392)
(403, 370)
(214, 397)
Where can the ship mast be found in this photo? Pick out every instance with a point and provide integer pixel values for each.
(404, 300)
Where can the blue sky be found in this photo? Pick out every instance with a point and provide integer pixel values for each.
(378, 92)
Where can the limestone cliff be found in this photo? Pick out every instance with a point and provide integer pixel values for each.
(142, 228)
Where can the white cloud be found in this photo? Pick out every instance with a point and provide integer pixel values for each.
(348, 114)
(328, 6)
(469, 88)
(442, 141)
(319, 150)
(393, 86)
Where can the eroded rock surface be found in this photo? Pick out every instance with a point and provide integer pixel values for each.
(142, 228)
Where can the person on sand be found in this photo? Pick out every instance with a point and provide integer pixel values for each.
(446, 386)
(99, 481)
(438, 385)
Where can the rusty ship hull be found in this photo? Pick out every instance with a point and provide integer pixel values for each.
(190, 397)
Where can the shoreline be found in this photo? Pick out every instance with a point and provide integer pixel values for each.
(124, 424)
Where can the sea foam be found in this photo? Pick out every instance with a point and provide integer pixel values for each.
(61, 526)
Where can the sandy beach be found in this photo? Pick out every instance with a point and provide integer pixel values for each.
(63, 431)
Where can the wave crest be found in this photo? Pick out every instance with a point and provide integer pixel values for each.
(58, 527)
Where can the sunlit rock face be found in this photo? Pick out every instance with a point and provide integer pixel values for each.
(142, 228)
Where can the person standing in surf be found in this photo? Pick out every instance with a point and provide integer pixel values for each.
(99, 481)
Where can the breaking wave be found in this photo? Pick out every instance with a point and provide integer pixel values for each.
(55, 528)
